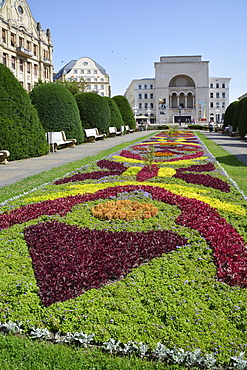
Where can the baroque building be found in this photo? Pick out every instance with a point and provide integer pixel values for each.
(25, 48)
(86, 69)
(179, 92)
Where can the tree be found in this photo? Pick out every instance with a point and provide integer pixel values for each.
(57, 110)
(94, 111)
(74, 86)
(116, 117)
(229, 113)
(243, 118)
(125, 110)
(21, 132)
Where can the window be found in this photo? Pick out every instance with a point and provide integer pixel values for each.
(95, 87)
(95, 79)
(88, 71)
(21, 41)
(5, 59)
(139, 87)
(217, 86)
(151, 96)
(88, 79)
(223, 86)
(211, 86)
(223, 95)
(21, 65)
(102, 94)
(95, 71)
(151, 87)
(75, 71)
(140, 105)
(35, 70)
(82, 71)
(211, 104)
(102, 87)
(211, 95)
(145, 96)
(102, 79)
(4, 36)
(146, 105)
(12, 39)
(35, 50)
(29, 86)
(13, 62)
(139, 96)
(28, 45)
(29, 68)
(145, 87)
(217, 105)
(217, 95)
(223, 104)
(151, 105)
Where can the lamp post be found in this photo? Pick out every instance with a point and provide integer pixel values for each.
(135, 109)
(179, 109)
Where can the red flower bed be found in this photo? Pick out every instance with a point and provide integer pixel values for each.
(95, 175)
(127, 154)
(111, 165)
(89, 259)
(147, 173)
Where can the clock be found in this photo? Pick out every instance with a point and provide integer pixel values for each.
(2, 3)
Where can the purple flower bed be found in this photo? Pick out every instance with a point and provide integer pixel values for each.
(89, 259)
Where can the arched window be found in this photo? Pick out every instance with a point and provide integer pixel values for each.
(190, 100)
(174, 100)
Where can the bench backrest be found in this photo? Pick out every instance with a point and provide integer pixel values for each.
(112, 130)
(90, 132)
(55, 137)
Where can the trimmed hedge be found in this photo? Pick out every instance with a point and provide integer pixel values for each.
(229, 113)
(57, 110)
(243, 118)
(125, 110)
(94, 111)
(20, 129)
(116, 117)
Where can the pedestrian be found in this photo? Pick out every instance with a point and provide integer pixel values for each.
(211, 126)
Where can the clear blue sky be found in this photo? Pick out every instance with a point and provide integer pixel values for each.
(127, 37)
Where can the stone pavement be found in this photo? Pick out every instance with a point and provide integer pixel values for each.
(232, 145)
(17, 170)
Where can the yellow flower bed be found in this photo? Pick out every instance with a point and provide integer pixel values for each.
(132, 171)
(166, 172)
(124, 210)
(118, 158)
(183, 190)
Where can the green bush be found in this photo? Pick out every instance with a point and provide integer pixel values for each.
(94, 111)
(243, 118)
(20, 129)
(229, 113)
(125, 110)
(57, 110)
(236, 115)
(116, 117)
(197, 127)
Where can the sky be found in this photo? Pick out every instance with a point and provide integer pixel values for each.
(128, 37)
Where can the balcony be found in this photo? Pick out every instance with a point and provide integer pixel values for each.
(47, 62)
(20, 50)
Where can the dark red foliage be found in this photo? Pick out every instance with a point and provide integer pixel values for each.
(89, 175)
(111, 165)
(128, 154)
(147, 173)
(68, 261)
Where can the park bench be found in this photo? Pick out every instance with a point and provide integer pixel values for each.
(58, 138)
(128, 130)
(92, 134)
(4, 154)
(113, 131)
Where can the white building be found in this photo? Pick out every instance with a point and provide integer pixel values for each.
(96, 77)
(25, 48)
(218, 98)
(180, 91)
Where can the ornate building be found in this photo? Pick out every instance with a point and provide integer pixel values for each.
(91, 72)
(25, 48)
(180, 92)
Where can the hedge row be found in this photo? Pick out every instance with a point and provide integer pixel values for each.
(236, 116)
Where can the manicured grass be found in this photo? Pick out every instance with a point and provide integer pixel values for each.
(25, 354)
(236, 169)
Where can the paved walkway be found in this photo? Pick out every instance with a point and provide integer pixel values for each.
(18, 170)
(232, 145)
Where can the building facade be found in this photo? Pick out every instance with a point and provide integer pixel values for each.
(95, 76)
(218, 98)
(25, 48)
(180, 92)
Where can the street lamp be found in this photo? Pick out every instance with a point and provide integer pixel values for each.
(179, 109)
(135, 109)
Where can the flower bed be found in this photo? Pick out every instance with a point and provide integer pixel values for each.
(177, 276)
